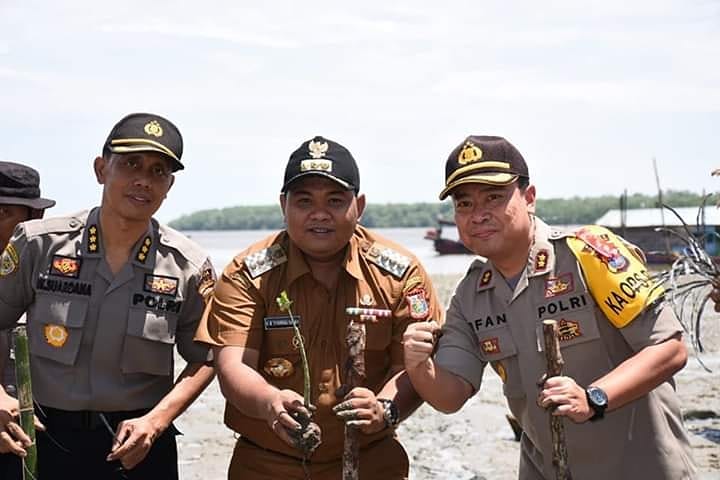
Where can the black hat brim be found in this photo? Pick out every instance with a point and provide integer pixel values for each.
(125, 149)
(493, 178)
(299, 176)
(36, 203)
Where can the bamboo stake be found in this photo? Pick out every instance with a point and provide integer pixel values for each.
(25, 399)
(554, 360)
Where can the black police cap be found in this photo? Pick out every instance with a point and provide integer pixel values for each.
(483, 159)
(20, 185)
(146, 132)
(325, 158)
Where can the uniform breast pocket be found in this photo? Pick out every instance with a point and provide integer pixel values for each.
(281, 362)
(498, 348)
(55, 327)
(149, 342)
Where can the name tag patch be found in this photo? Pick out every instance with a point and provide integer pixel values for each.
(489, 321)
(564, 305)
(161, 304)
(63, 286)
(161, 284)
(63, 266)
(274, 323)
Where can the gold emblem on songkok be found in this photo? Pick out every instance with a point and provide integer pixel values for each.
(153, 128)
(319, 165)
(470, 153)
(317, 149)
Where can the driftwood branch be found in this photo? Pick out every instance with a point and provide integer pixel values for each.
(354, 376)
(553, 357)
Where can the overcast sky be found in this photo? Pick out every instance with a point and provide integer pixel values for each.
(589, 92)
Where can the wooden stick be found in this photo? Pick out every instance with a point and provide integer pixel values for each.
(354, 376)
(555, 363)
(25, 399)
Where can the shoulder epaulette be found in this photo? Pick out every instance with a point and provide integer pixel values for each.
(556, 233)
(479, 262)
(265, 260)
(388, 259)
(187, 247)
(70, 223)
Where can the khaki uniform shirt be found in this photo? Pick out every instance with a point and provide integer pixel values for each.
(487, 322)
(100, 341)
(243, 312)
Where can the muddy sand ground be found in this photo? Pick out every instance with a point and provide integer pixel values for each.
(477, 442)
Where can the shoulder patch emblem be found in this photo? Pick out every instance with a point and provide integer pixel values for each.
(9, 260)
(605, 249)
(413, 282)
(63, 266)
(207, 280)
(618, 281)
(389, 260)
(265, 260)
(417, 301)
(55, 335)
(161, 284)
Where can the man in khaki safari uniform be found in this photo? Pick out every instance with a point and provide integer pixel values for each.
(20, 201)
(108, 293)
(621, 346)
(326, 263)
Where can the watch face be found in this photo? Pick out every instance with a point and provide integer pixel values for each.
(597, 396)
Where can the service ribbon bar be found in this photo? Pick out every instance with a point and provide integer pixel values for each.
(376, 312)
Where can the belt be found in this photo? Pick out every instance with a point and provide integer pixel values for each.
(84, 419)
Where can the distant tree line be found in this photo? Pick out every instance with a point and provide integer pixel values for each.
(557, 211)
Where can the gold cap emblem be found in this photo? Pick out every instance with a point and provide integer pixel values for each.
(470, 153)
(317, 149)
(153, 128)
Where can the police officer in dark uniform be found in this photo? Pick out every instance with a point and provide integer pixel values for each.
(19, 201)
(108, 293)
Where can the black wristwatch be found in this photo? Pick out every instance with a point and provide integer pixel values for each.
(390, 412)
(597, 400)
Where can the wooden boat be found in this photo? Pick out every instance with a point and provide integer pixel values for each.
(449, 244)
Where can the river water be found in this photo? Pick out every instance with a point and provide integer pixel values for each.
(222, 246)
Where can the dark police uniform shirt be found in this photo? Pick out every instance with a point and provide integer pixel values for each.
(487, 322)
(243, 311)
(100, 341)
